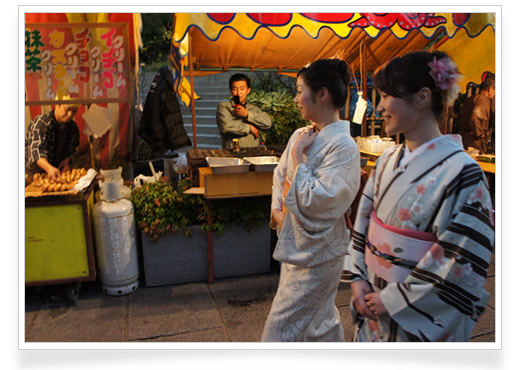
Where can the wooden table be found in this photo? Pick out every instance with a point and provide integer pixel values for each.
(488, 168)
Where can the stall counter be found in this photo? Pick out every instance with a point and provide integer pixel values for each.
(58, 239)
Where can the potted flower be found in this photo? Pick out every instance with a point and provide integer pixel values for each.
(173, 228)
(173, 246)
(161, 208)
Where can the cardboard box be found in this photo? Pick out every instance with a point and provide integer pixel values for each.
(235, 184)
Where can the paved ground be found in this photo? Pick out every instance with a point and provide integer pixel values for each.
(228, 310)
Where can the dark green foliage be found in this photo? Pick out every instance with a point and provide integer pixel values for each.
(161, 208)
(274, 94)
(245, 212)
(156, 36)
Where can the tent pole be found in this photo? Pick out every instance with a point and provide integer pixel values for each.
(193, 113)
(364, 79)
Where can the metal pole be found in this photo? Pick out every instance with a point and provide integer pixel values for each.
(364, 87)
(193, 114)
(210, 243)
(364, 73)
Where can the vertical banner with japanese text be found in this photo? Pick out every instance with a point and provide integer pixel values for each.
(88, 63)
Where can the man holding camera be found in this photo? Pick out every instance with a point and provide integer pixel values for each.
(238, 119)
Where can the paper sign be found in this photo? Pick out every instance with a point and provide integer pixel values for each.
(360, 110)
(98, 121)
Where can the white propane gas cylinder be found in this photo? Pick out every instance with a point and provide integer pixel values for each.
(116, 244)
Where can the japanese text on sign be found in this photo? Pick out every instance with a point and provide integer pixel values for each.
(87, 62)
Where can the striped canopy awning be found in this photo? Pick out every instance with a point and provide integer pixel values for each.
(285, 42)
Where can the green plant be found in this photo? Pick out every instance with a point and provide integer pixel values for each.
(161, 208)
(245, 212)
(275, 95)
(156, 36)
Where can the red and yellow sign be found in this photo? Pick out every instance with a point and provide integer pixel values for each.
(88, 62)
(86, 58)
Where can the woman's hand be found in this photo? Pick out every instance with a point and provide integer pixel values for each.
(360, 289)
(375, 304)
(304, 140)
(279, 216)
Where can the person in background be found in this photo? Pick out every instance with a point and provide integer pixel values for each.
(476, 117)
(424, 232)
(51, 139)
(315, 182)
(238, 119)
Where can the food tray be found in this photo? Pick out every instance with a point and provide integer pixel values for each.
(35, 192)
(263, 164)
(227, 165)
(35, 189)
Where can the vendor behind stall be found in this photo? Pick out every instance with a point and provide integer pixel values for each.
(238, 119)
(477, 116)
(51, 139)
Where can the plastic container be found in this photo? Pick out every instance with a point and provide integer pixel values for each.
(375, 144)
(387, 143)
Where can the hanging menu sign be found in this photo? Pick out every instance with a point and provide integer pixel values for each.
(84, 62)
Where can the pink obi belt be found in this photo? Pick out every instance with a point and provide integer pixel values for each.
(392, 252)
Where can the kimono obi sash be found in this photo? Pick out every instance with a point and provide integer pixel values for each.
(392, 252)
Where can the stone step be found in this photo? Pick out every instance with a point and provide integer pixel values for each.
(203, 129)
(206, 103)
(204, 110)
(201, 115)
(206, 142)
(211, 96)
(212, 89)
(200, 120)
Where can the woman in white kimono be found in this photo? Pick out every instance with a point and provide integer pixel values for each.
(314, 184)
(424, 232)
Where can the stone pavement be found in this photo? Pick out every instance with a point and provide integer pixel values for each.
(227, 310)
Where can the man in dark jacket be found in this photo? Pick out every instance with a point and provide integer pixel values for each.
(161, 124)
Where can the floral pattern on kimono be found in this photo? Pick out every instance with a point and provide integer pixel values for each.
(437, 189)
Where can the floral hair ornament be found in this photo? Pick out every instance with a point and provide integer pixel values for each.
(445, 75)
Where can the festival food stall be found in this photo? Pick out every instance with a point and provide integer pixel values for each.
(209, 43)
(89, 58)
(94, 56)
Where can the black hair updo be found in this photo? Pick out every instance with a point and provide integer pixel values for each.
(334, 74)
